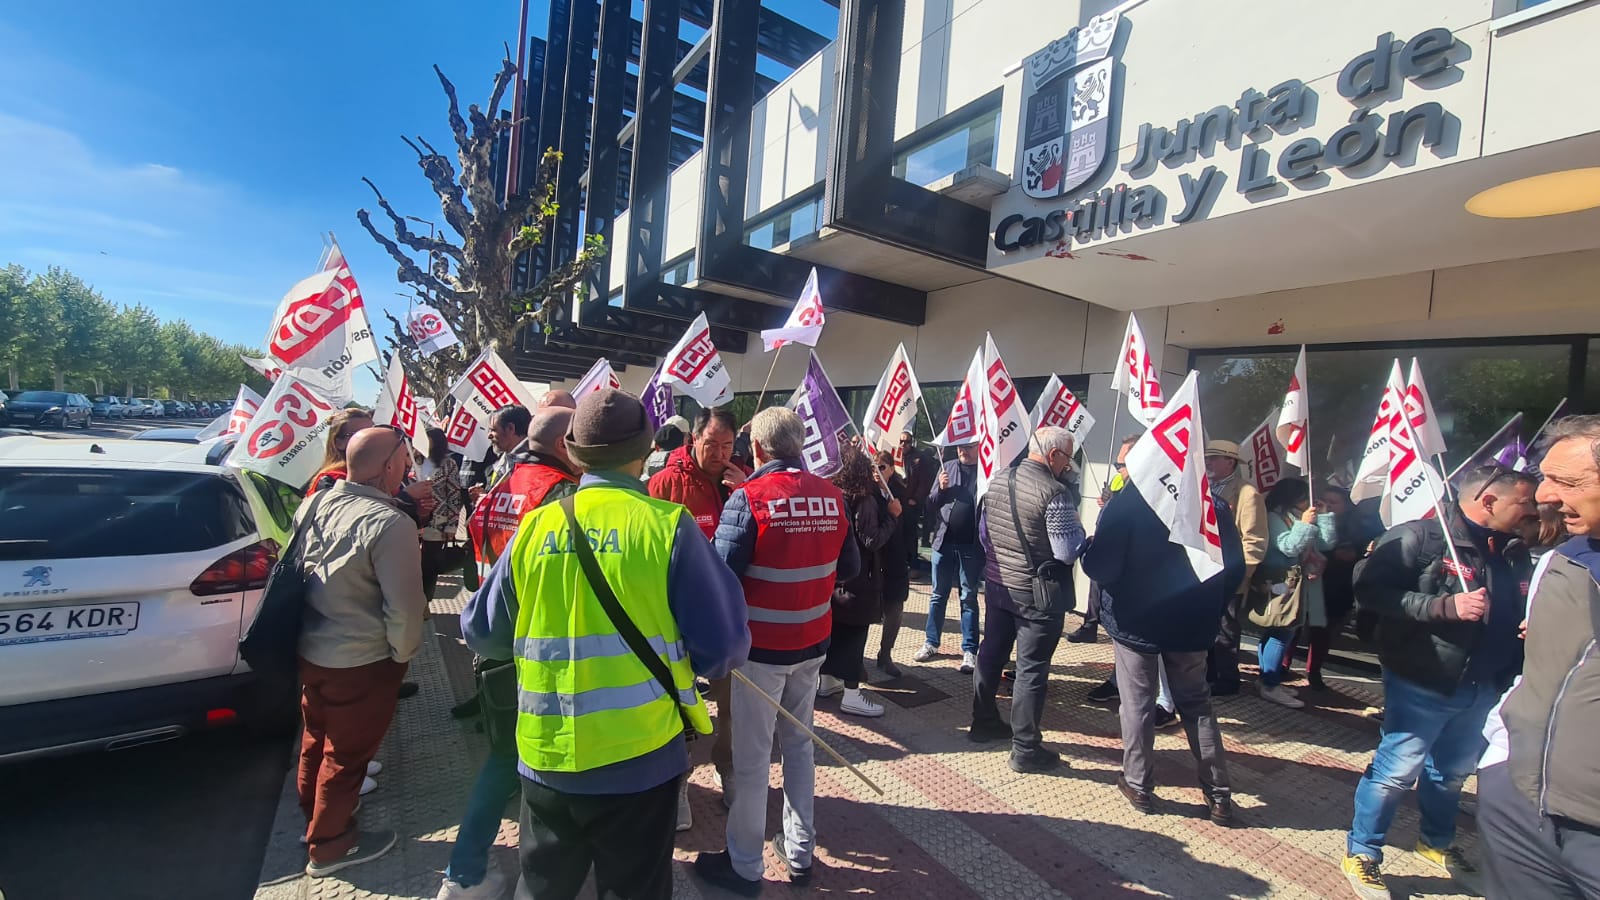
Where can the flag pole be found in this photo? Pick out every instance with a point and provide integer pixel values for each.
(1305, 439)
(809, 733)
(770, 369)
(1438, 508)
(1111, 455)
(934, 429)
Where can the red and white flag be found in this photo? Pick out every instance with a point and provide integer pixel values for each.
(1295, 417)
(466, 435)
(894, 404)
(285, 438)
(1412, 489)
(962, 426)
(1372, 474)
(321, 325)
(696, 367)
(266, 368)
(487, 385)
(1266, 455)
(599, 376)
(363, 343)
(244, 408)
(1059, 406)
(804, 325)
(1003, 420)
(397, 406)
(1419, 409)
(429, 330)
(1137, 375)
(1167, 467)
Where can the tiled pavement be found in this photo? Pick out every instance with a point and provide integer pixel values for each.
(955, 821)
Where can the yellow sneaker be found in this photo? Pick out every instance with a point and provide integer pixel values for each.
(1452, 862)
(1363, 875)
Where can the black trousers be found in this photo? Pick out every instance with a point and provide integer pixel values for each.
(1222, 663)
(626, 838)
(433, 563)
(1525, 857)
(910, 524)
(1035, 636)
(847, 646)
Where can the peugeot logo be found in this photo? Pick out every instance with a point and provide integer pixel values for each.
(38, 576)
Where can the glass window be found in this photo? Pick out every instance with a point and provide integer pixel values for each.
(784, 226)
(971, 143)
(1591, 379)
(1475, 389)
(84, 513)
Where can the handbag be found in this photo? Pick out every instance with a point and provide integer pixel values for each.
(1051, 580)
(497, 697)
(271, 644)
(1274, 603)
(628, 631)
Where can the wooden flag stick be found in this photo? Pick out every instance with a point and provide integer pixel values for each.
(770, 369)
(1111, 458)
(809, 733)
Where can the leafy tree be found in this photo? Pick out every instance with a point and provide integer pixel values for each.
(13, 307)
(469, 279)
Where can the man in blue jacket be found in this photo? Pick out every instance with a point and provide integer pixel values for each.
(956, 553)
(1157, 612)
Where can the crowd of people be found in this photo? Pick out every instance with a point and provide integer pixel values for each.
(621, 565)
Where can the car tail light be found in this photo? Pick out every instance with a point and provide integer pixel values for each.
(241, 570)
(220, 716)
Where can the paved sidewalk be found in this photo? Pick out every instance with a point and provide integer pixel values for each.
(955, 821)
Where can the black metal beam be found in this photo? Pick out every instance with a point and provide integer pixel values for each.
(697, 76)
(557, 361)
(861, 194)
(559, 367)
(601, 202)
(595, 316)
(557, 59)
(575, 122)
(652, 141)
(688, 113)
(532, 102)
(568, 335)
(753, 269)
(781, 39)
(684, 303)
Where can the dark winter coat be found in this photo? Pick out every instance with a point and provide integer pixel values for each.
(859, 600)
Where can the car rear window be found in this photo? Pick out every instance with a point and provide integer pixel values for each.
(81, 513)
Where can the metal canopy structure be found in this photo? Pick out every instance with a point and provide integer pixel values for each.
(618, 96)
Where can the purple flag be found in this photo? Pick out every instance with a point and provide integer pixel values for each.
(826, 419)
(1504, 446)
(657, 400)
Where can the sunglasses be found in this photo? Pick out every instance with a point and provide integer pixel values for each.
(1495, 471)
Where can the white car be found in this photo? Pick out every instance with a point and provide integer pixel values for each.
(128, 570)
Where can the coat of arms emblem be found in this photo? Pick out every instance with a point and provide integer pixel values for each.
(1066, 109)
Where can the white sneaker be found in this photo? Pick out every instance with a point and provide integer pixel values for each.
(969, 661)
(374, 767)
(858, 704)
(368, 785)
(1279, 696)
(828, 685)
(928, 651)
(723, 787)
(492, 887)
(685, 814)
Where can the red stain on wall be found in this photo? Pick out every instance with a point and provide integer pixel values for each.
(1061, 251)
(1275, 327)
(1124, 255)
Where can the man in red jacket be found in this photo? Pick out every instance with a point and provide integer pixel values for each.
(701, 474)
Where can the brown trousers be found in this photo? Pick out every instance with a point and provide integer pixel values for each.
(347, 712)
(722, 744)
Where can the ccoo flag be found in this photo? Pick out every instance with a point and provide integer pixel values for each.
(1167, 467)
(1266, 454)
(1295, 418)
(826, 419)
(893, 406)
(657, 400)
(962, 426)
(1137, 375)
(266, 368)
(244, 408)
(804, 325)
(1059, 406)
(1419, 409)
(466, 435)
(696, 366)
(285, 437)
(1412, 489)
(1002, 421)
(487, 385)
(600, 375)
(429, 330)
(1371, 474)
(396, 405)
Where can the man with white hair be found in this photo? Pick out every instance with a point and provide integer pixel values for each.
(1031, 537)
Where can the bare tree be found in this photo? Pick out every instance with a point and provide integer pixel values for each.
(469, 279)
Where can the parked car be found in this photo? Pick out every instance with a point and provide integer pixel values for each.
(130, 570)
(153, 408)
(108, 407)
(173, 410)
(202, 409)
(5, 409)
(59, 409)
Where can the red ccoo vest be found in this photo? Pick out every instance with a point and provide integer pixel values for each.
(801, 526)
(500, 510)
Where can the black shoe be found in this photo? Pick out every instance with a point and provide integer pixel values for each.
(409, 689)
(1289, 676)
(985, 732)
(1139, 800)
(1008, 675)
(1166, 718)
(1086, 634)
(887, 667)
(1315, 680)
(717, 868)
(466, 709)
(1224, 689)
(369, 845)
(797, 874)
(1220, 808)
(1037, 762)
(1105, 693)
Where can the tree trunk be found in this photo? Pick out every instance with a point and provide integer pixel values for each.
(61, 379)
(130, 390)
(11, 372)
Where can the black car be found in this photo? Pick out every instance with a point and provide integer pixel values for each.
(59, 409)
(5, 409)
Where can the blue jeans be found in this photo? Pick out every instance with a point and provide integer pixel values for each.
(1274, 644)
(947, 563)
(498, 781)
(1436, 736)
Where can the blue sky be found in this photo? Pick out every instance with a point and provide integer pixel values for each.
(187, 155)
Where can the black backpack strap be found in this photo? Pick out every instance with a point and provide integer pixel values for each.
(619, 617)
(1016, 521)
